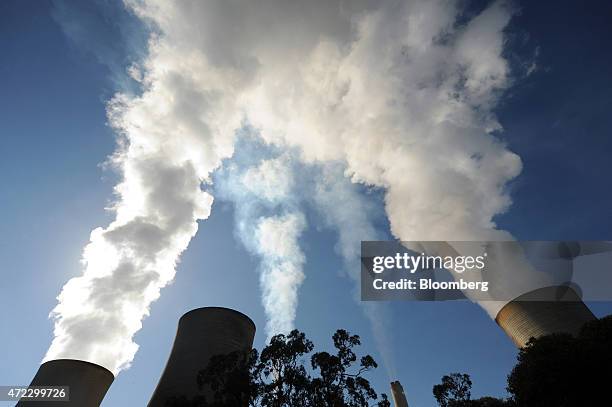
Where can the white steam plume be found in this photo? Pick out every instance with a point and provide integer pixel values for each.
(349, 211)
(269, 223)
(171, 137)
(281, 274)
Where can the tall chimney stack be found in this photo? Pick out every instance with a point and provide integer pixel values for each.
(397, 392)
(543, 311)
(202, 333)
(87, 383)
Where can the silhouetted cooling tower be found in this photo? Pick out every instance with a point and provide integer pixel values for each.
(397, 392)
(543, 311)
(202, 333)
(87, 382)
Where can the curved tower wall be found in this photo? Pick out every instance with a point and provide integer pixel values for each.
(87, 382)
(543, 311)
(202, 333)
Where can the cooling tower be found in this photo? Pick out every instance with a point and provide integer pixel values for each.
(202, 333)
(87, 382)
(543, 311)
(397, 392)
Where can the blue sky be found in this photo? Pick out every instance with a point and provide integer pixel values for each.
(53, 137)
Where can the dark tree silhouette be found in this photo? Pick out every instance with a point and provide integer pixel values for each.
(277, 377)
(280, 377)
(561, 370)
(228, 380)
(455, 388)
(554, 370)
(337, 385)
(455, 391)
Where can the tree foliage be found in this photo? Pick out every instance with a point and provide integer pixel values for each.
(558, 370)
(455, 391)
(278, 376)
(561, 370)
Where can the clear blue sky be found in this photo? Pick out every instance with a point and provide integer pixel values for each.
(53, 136)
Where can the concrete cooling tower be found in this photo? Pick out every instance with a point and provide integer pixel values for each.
(202, 333)
(397, 392)
(87, 383)
(543, 311)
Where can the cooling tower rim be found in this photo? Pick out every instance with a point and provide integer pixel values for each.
(203, 309)
(529, 296)
(81, 362)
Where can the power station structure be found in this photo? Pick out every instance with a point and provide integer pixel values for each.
(542, 312)
(202, 333)
(398, 395)
(87, 383)
(206, 332)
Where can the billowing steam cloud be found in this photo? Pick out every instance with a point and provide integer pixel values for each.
(401, 92)
(171, 137)
(407, 104)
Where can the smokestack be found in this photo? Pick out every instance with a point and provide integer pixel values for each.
(87, 382)
(202, 333)
(543, 311)
(397, 392)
